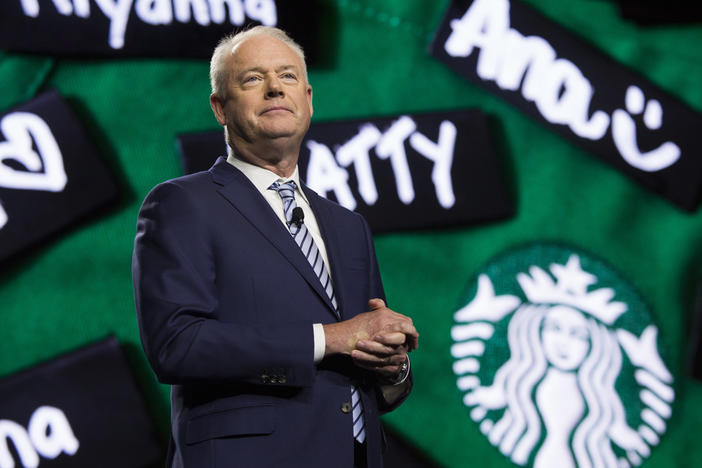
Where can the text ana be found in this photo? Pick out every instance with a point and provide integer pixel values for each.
(555, 85)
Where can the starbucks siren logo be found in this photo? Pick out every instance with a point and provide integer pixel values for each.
(559, 362)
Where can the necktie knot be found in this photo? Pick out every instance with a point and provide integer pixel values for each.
(286, 190)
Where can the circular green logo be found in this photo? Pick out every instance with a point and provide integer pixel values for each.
(558, 361)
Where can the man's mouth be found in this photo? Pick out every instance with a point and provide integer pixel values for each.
(275, 109)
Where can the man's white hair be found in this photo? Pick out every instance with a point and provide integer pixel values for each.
(218, 70)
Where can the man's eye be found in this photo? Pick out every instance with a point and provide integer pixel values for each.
(251, 79)
(289, 76)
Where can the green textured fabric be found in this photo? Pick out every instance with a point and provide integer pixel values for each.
(21, 77)
(77, 288)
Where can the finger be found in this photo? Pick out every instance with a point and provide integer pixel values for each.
(391, 339)
(374, 347)
(404, 326)
(371, 360)
(376, 303)
(381, 351)
(412, 343)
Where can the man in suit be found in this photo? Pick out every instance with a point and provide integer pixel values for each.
(259, 301)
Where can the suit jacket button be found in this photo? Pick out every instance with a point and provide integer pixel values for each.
(346, 407)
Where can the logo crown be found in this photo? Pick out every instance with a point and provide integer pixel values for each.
(570, 288)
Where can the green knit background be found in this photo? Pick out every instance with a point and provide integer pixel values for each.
(77, 288)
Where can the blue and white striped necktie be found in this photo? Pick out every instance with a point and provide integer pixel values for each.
(304, 240)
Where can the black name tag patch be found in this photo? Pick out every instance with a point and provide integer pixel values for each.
(154, 28)
(574, 89)
(50, 173)
(79, 410)
(404, 172)
(655, 12)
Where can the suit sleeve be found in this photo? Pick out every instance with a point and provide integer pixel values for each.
(177, 306)
(389, 396)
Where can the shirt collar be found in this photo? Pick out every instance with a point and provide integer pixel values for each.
(263, 178)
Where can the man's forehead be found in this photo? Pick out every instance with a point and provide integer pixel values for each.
(264, 48)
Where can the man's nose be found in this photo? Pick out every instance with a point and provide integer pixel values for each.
(273, 87)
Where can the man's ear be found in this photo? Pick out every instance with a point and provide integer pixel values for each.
(218, 108)
(309, 99)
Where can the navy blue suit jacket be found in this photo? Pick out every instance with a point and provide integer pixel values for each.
(226, 301)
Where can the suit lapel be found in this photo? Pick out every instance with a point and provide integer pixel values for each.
(238, 190)
(331, 243)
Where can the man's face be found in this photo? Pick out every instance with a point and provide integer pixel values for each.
(267, 96)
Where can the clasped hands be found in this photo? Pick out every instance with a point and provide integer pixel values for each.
(378, 340)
